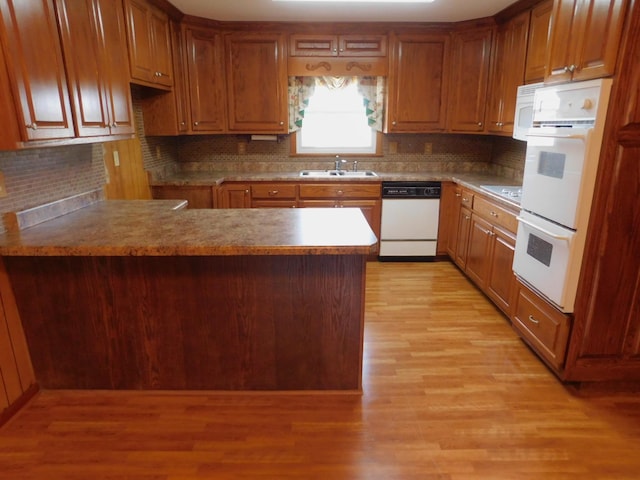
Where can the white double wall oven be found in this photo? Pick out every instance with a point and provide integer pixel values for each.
(561, 164)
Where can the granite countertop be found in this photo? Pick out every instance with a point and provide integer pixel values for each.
(472, 181)
(156, 228)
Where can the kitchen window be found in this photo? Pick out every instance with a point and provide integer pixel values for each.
(336, 115)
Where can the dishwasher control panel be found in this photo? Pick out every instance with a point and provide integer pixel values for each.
(411, 189)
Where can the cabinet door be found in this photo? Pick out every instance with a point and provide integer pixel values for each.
(462, 243)
(362, 45)
(140, 40)
(256, 83)
(584, 39)
(418, 83)
(538, 42)
(601, 27)
(234, 196)
(469, 79)
(87, 78)
(149, 43)
(501, 281)
(161, 44)
(478, 251)
(313, 45)
(449, 212)
(205, 76)
(112, 34)
(35, 65)
(508, 74)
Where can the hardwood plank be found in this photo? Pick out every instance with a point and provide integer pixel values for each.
(449, 393)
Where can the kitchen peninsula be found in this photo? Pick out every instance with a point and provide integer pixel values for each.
(138, 295)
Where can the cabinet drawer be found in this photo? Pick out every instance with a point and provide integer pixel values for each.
(466, 198)
(273, 190)
(545, 328)
(495, 214)
(339, 190)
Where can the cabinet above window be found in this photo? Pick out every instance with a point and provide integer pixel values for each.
(322, 45)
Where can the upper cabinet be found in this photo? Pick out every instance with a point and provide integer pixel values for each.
(94, 43)
(507, 73)
(469, 79)
(538, 42)
(149, 36)
(256, 73)
(310, 45)
(205, 80)
(584, 39)
(325, 54)
(35, 67)
(417, 83)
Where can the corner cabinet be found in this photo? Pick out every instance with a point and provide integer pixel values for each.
(469, 79)
(481, 240)
(418, 82)
(149, 37)
(94, 43)
(256, 72)
(37, 77)
(584, 39)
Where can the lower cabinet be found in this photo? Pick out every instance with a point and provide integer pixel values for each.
(274, 195)
(197, 196)
(233, 195)
(481, 241)
(542, 326)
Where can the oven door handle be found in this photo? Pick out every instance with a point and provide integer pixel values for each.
(570, 136)
(543, 230)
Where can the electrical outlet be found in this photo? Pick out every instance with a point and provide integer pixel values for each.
(116, 158)
(428, 148)
(3, 188)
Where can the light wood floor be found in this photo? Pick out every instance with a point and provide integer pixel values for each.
(450, 392)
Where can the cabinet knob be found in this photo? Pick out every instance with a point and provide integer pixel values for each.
(479, 124)
(570, 69)
(335, 49)
(183, 123)
(195, 124)
(32, 126)
(393, 123)
(246, 191)
(114, 125)
(340, 192)
(281, 123)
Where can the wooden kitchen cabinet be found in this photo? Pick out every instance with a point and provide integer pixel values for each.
(471, 59)
(478, 250)
(448, 224)
(149, 38)
(36, 75)
(462, 242)
(205, 77)
(94, 43)
(537, 43)
(326, 45)
(326, 54)
(542, 326)
(418, 82)
(197, 196)
(257, 84)
(507, 74)
(584, 36)
(233, 195)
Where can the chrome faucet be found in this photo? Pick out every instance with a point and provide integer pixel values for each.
(355, 165)
(339, 162)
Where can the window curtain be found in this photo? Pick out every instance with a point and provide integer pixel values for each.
(301, 89)
(372, 90)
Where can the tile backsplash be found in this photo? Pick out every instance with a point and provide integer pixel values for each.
(401, 153)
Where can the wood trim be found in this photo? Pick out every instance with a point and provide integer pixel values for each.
(16, 406)
(293, 146)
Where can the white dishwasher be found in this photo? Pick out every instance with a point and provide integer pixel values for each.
(409, 224)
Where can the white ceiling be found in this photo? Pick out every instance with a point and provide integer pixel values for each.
(268, 10)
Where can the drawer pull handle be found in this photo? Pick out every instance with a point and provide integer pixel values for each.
(273, 192)
(493, 214)
(533, 320)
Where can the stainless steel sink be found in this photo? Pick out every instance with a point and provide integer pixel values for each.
(338, 173)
